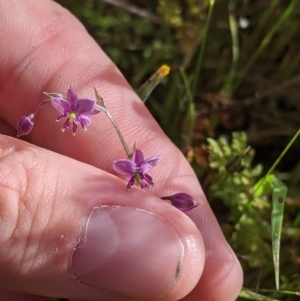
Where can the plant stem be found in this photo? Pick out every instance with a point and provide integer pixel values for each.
(40, 105)
(283, 153)
(191, 108)
(265, 42)
(124, 144)
(235, 49)
(200, 57)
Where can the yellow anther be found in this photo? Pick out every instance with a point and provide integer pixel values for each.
(163, 70)
(72, 116)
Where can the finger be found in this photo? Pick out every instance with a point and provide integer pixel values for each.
(69, 230)
(74, 59)
(6, 295)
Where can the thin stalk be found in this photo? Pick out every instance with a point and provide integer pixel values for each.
(101, 106)
(262, 22)
(265, 42)
(272, 168)
(40, 105)
(201, 54)
(191, 107)
(235, 50)
(124, 144)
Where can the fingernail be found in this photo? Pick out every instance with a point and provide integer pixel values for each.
(128, 251)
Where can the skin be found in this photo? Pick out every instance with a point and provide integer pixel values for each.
(44, 48)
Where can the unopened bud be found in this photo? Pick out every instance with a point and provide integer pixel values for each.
(25, 125)
(182, 201)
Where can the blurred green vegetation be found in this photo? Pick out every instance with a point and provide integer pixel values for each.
(247, 82)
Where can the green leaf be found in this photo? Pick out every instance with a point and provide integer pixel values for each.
(264, 186)
(278, 200)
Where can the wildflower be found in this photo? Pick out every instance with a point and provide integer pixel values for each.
(76, 110)
(182, 201)
(25, 125)
(135, 169)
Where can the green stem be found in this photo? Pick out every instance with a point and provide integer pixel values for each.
(200, 57)
(124, 144)
(272, 168)
(283, 153)
(265, 42)
(191, 107)
(235, 49)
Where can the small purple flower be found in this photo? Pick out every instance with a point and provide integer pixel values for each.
(135, 169)
(76, 110)
(25, 125)
(182, 201)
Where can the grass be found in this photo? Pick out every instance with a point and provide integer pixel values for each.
(234, 77)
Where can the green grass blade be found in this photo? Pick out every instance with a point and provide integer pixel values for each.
(263, 21)
(250, 295)
(235, 50)
(191, 114)
(284, 152)
(202, 48)
(265, 42)
(257, 187)
(278, 200)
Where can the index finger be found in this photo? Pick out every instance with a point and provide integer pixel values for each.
(44, 48)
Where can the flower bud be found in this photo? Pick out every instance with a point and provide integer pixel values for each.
(182, 201)
(25, 125)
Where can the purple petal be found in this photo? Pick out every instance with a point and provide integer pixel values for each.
(149, 179)
(130, 183)
(74, 128)
(72, 97)
(124, 167)
(143, 185)
(137, 157)
(149, 163)
(66, 125)
(85, 106)
(145, 181)
(84, 121)
(60, 105)
(60, 117)
(96, 111)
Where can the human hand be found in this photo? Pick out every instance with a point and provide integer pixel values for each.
(50, 186)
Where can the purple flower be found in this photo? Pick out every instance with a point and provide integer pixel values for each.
(76, 110)
(182, 201)
(25, 125)
(135, 169)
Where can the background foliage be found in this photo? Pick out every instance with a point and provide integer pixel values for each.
(245, 91)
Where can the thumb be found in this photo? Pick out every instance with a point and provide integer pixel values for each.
(70, 230)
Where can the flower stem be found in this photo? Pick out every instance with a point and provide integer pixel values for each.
(40, 105)
(125, 146)
(199, 62)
